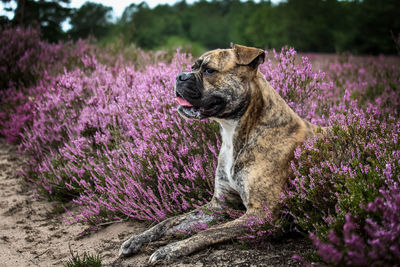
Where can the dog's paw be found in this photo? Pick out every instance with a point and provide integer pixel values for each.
(130, 246)
(164, 253)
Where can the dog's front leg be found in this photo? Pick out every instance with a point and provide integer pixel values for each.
(201, 240)
(182, 222)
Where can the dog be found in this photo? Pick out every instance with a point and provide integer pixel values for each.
(259, 135)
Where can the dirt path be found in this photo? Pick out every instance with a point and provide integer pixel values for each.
(32, 233)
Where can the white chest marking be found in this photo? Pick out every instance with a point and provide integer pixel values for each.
(226, 152)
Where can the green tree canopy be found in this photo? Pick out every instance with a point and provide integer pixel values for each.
(48, 15)
(90, 19)
(358, 26)
(308, 25)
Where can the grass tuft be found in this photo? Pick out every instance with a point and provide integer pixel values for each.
(84, 260)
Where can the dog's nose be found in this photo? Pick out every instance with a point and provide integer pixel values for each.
(183, 76)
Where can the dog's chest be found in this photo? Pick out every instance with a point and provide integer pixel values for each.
(226, 155)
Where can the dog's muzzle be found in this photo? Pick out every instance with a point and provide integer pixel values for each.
(188, 86)
(188, 95)
(193, 103)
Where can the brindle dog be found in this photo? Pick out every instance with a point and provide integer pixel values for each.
(259, 134)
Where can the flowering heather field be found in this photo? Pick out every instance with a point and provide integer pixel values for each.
(107, 137)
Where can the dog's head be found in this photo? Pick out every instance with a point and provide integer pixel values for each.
(219, 84)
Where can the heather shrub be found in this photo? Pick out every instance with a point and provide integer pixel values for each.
(120, 149)
(371, 240)
(345, 186)
(118, 53)
(27, 65)
(25, 59)
(305, 90)
(330, 173)
(19, 57)
(348, 189)
(367, 80)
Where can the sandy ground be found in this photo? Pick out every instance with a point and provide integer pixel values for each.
(33, 233)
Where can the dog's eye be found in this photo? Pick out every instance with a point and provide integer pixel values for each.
(209, 70)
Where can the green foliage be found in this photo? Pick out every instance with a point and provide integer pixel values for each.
(186, 46)
(91, 19)
(361, 27)
(307, 25)
(48, 15)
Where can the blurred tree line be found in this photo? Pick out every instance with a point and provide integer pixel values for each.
(362, 27)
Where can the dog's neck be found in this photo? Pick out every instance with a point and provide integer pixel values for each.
(275, 112)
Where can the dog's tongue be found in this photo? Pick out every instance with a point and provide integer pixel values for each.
(183, 102)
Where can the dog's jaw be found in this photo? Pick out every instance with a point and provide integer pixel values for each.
(190, 112)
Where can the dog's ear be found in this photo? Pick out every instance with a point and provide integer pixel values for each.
(249, 55)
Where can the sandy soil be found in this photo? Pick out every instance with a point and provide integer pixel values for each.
(33, 233)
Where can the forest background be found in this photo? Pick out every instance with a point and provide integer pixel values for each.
(359, 27)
